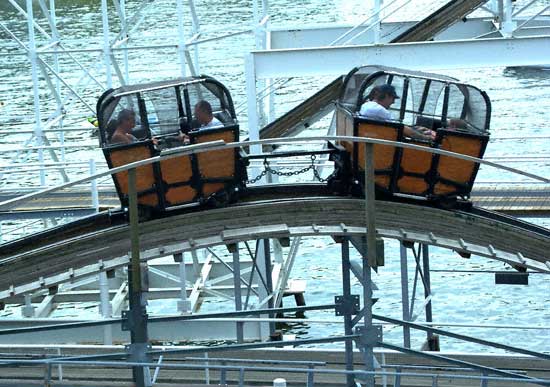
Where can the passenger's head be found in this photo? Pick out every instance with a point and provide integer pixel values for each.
(373, 94)
(126, 119)
(386, 95)
(203, 112)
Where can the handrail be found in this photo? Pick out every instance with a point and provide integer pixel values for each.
(277, 369)
(220, 144)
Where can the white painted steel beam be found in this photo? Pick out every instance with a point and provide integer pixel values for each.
(524, 51)
(319, 36)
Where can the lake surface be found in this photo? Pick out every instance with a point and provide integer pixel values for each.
(520, 100)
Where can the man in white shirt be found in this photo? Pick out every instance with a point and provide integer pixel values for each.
(383, 96)
(203, 114)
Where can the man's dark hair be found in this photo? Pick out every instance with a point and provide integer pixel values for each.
(125, 114)
(373, 94)
(204, 106)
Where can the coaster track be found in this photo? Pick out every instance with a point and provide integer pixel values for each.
(267, 212)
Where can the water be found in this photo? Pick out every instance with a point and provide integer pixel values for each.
(520, 98)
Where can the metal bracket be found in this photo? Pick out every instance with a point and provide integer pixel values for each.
(127, 321)
(369, 337)
(137, 352)
(349, 306)
(285, 241)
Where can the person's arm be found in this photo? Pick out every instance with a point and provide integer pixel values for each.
(419, 132)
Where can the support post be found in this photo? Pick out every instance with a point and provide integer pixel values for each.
(370, 204)
(184, 305)
(182, 47)
(105, 305)
(508, 25)
(370, 260)
(405, 295)
(33, 57)
(367, 322)
(348, 329)
(95, 193)
(427, 285)
(28, 309)
(237, 290)
(138, 313)
(252, 107)
(106, 44)
(268, 281)
(377, 8)
(195, 25)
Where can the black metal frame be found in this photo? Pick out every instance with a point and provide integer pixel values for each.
(396, 172)
(160, 187)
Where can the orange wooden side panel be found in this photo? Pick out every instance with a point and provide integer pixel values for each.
(145, 178)
(414, 161)
(178, 195)
(383, 154)
(176, 170)
(220, 163)
(454, 169)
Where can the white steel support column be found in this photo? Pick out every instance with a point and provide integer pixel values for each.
(124, 26)
(34, 68)
(427, 285)
(376, 30)
(263, 262)
(181, 38)
(106, 43)
(195, 25)
(237, 290)
(184, 305)
(252, 106)
(95, 193)
(28, 309)
(405, 294)
(105, 306)
(259, 13)
(508, 25)
(55, 39)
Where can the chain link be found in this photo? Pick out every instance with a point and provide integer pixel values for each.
(267, 168)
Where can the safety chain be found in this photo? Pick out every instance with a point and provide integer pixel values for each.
(267, 168)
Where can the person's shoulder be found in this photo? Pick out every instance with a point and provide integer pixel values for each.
(369, 106)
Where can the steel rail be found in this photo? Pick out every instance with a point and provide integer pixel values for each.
(461, 337)
(463, 363)
(151, 320)
(124, 364)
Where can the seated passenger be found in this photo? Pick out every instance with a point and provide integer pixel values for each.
(203, 119)
(126, 120)
(203, 114)
(383, 97)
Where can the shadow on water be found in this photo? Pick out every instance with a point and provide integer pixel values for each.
(528, 72)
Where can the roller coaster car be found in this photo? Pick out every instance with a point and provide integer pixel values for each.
(160, 112)
(458, 113)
